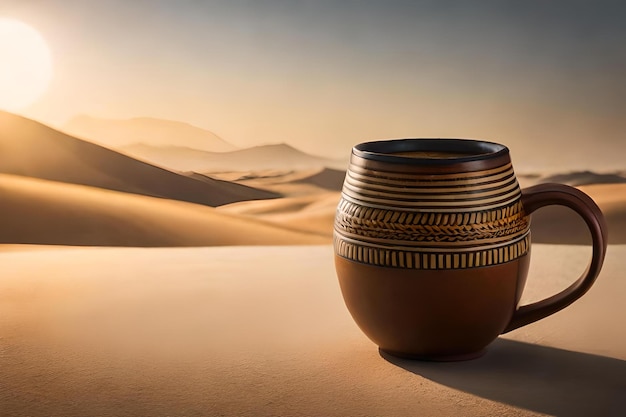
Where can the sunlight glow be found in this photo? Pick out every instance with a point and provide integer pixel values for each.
(25, 65)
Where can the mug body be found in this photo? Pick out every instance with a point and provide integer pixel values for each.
(432, 245)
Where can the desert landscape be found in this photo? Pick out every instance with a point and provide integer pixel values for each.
(60, 188)
(81, 220)
(169, 179)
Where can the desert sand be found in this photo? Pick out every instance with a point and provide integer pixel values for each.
(35, 211)
(553, 224)
(286, 182)
(32, 149)
(310, 213)
(256, 331)
(52, 212)
(561, 225)
(280, 186)
(275, 156)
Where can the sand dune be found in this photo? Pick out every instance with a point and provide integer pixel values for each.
(279, 157)
(251, 175)
(561, 225)
(31, 149)
(330, 179)
(288, 183)
(315, 212)
(150, 131)
(266, 176)
(35, 211)
(311, 213)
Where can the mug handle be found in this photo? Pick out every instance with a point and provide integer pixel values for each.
(543, 195)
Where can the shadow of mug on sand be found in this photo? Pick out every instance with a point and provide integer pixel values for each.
(538, 378)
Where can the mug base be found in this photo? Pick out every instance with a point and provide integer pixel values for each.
(436, 358)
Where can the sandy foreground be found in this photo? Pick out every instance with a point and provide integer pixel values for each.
(254, 331)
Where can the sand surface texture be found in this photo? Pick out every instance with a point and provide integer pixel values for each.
(259, 331)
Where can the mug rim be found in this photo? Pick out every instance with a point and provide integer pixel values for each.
(383, 150)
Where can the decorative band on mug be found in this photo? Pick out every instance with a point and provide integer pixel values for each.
(432, 187)
(399, 227)
(392, 177)
(423, 194)
(436, 192)
(412, 258)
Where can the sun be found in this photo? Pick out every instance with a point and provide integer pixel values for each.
(25, 65)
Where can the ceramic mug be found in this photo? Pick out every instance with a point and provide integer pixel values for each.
(432, 245)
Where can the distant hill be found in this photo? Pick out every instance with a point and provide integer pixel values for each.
(32, 149)
(279, 157)
(578, 178)
(118, 133)
(330, 179)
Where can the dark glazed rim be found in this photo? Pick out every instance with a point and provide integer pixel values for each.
(476, 150)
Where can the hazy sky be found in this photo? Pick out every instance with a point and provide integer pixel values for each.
(324, 75)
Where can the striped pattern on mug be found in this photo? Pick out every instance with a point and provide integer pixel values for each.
(431, 221)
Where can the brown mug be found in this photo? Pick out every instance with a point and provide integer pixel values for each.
(432, 245)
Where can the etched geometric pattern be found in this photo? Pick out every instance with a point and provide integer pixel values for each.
(409, 258)
(431, 221)
(375, 223)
